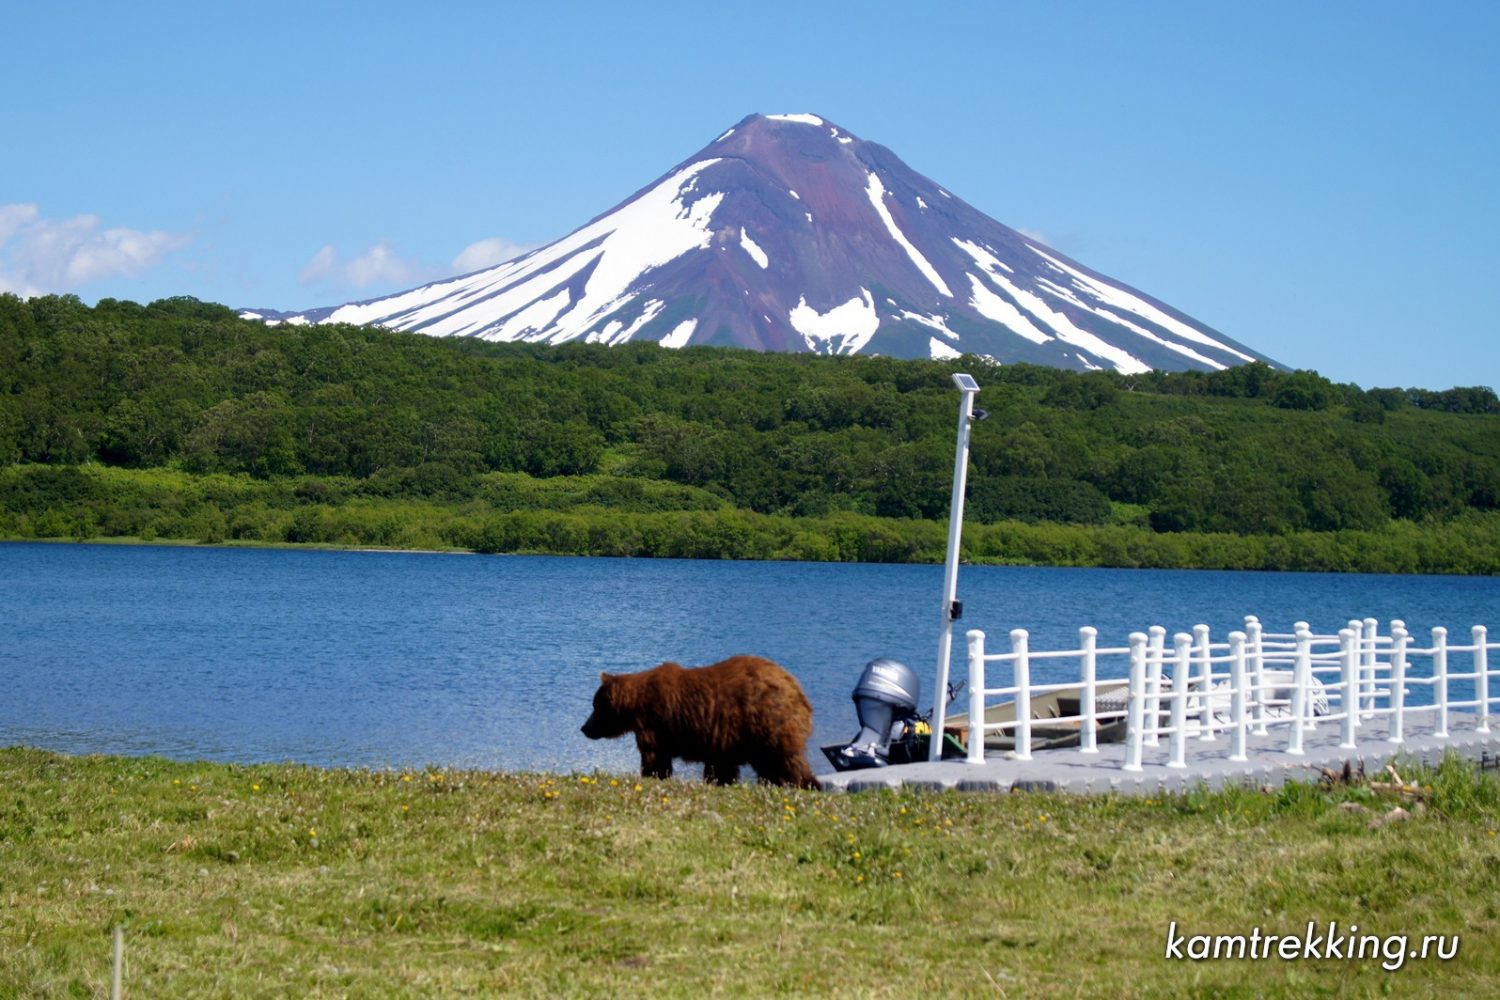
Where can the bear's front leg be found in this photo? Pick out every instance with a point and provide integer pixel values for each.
(654, 763)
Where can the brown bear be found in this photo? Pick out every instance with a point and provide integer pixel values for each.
(743, 710)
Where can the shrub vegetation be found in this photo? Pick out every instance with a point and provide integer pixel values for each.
(179, 420)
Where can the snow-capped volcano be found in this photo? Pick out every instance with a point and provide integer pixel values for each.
(789, 233)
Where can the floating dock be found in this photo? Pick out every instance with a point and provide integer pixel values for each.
(1269, 763)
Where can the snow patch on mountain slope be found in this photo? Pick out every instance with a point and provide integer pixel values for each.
(616, 332)
(657, 227)
(982, 257)
(876, 193)
(1062, 327)
(935, 321)
(680, 334)
(1121, 299)
(800, 119)
(992, 306)
(1058, 291)
(940, 351)
(844, 329)
(753, 249)
(536, 316)
(1067, 331)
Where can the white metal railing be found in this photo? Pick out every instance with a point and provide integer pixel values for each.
(1246, 686)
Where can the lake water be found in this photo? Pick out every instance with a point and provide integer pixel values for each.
(405, 659)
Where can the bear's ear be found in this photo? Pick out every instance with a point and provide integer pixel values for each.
(605, 678)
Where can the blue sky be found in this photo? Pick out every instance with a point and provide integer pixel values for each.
(1315, 180)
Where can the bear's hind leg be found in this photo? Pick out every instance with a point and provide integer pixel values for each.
(801, 774)
(788, 770)
(723, 772)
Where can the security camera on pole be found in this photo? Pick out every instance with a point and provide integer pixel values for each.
(953, 608)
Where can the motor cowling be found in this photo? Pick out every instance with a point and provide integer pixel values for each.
(886, 694)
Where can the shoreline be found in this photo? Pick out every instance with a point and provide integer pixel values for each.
(132, 541)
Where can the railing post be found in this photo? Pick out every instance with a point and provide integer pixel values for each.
(976, 698)
(1398, 682)
(1349, 660)
(1237, 694)
(1154, 655)
(1482, 676)
(1307, 698)
(1352, 690)
(1135, 712)
(1088, 737)
(1018, 645)
(1440, 678)
(1300, 674)
(1206, 682)
(1177, 738)
(1367, 667)
(1256, 652)
(1309, 703)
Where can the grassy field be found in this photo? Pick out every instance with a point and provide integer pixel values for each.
(290, 881)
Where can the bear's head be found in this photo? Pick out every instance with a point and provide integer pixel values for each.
(608, 719)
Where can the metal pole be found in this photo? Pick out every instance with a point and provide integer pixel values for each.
(968, 388)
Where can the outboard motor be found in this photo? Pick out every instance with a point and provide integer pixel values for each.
(886, 694)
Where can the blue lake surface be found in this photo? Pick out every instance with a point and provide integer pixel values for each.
(404, 659)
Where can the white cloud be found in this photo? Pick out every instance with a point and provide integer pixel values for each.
(487, 253)
(382, 265)
(323, 263)
(378, 265)
(12, 218)
(40, 255)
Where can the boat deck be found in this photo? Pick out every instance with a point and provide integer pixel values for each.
(1068, 770)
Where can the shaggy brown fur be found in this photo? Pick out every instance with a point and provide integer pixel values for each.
(743, 710)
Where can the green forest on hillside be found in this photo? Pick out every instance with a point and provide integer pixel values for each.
(179, 420)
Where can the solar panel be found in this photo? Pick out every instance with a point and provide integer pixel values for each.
(965, 383)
